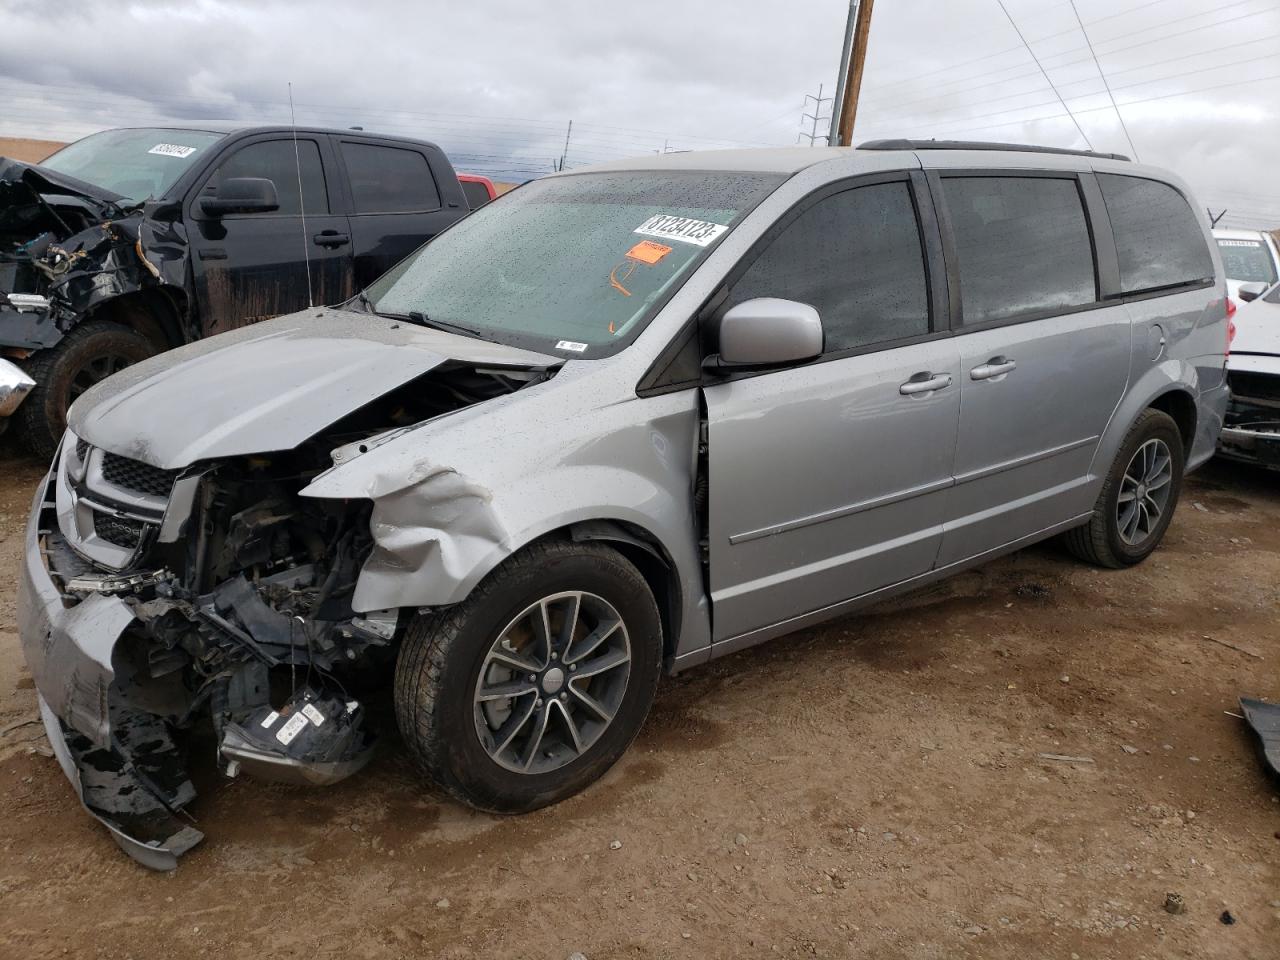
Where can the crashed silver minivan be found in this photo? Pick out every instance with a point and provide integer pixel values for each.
(622, 421)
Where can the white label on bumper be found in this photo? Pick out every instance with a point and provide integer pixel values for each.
(291, 728)
(312, 714)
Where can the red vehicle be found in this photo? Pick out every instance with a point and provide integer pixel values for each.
(478, 190)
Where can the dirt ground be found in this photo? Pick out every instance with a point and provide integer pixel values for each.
(873, 788)
(27, 150)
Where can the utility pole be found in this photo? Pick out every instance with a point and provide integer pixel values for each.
(816, 117)
(564, 153)
(853, 59)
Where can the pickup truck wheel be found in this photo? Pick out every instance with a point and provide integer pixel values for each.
(532, 687)
(1136, 504)
(87, 355)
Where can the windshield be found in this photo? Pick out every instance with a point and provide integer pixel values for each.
(137, 164)
(574, 266)
(1247, 260)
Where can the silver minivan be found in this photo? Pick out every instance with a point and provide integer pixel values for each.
(622, 421)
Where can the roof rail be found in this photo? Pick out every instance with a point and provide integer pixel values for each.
(903, 144)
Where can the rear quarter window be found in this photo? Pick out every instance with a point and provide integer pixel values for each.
(476, 193)
(1159, 241)
(389, 179)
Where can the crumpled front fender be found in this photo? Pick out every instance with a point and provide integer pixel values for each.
(454, 498)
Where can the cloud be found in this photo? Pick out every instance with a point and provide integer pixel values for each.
(497, 81)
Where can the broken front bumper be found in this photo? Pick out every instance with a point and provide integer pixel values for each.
(1258, 445)
(14, 387)
(68, 650)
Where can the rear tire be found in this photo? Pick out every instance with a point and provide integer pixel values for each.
(87, 355)
(1137, 501)
(472, 743)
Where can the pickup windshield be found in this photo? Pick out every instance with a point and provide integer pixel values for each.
(138, 164)
(573, 266)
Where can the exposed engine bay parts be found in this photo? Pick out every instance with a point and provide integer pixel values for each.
(209, 608)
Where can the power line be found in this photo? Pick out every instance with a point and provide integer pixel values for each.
(898, 105)
(1132, 33)
(1046, 74)
(1127, 103)
(1128, 86)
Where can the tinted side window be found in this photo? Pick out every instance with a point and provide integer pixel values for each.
(276, 160)
(389, 179)
(1158, 239)
(1023, 245)
(857, 258)
(476, 193)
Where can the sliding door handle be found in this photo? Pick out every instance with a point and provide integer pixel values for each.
(995, 367)
(925, 383)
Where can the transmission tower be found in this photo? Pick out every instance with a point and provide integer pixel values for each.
(814, 118)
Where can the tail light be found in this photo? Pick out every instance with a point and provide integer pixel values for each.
(1231, 323)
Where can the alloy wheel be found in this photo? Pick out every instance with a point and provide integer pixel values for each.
(1144, 492)
(552, 682)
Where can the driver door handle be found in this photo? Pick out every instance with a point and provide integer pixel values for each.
(925, 383)
(995, 367)
(331, 238)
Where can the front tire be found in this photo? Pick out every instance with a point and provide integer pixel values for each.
(531, 688)
(1137, 501)
(86, 356)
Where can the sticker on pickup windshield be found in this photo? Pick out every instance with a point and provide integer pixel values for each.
(172, 150)
(1239, 243)
(573, 346)
(666, 226)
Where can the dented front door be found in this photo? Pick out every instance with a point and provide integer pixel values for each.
(248, 267)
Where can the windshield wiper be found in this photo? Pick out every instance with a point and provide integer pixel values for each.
(422, 320)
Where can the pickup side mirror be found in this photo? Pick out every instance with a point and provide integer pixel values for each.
(1248, 292)
(768, 332)
(241, 195)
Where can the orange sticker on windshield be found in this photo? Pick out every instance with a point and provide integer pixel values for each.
(646, 251)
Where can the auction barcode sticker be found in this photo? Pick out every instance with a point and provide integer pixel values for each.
(172, 150)
(1239, 243)
(667, 226)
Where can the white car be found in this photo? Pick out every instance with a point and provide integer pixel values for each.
(1248, 256)
(1251, 429)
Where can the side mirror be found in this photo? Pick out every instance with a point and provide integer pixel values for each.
(768, 332)
(1248, 292)
(241, 195)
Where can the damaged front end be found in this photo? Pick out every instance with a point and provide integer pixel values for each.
(66, 247)
(208, 611)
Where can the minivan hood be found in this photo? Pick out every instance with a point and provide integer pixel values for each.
(268, 386)
(1257, 329)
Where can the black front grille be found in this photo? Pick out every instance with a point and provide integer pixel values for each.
(137, 476)
(1254, 386)
(118, 530)
(82, 448)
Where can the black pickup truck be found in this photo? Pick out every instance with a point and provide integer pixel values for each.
(133, 241)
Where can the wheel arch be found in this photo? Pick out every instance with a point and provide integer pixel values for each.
(154, 312)
(1180, 405)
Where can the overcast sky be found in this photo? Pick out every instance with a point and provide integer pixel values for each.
(496, 81)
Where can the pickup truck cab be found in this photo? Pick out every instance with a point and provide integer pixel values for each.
(133, 241)
(479, 190)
